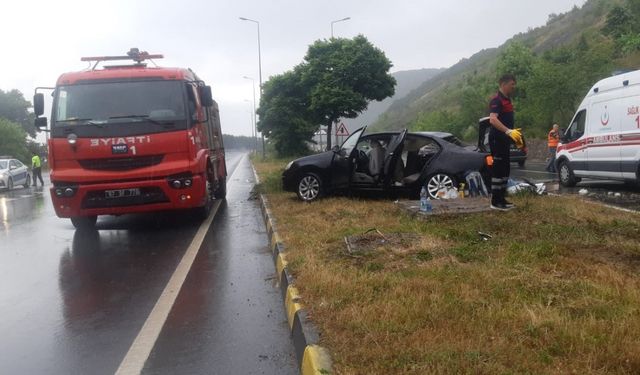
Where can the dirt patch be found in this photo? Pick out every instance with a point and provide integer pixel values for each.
(373, 241)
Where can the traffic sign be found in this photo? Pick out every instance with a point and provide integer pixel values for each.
(342, 130)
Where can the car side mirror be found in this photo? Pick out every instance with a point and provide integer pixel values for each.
(38, 104)
(40, 124)
(335, 148)
(206, 97)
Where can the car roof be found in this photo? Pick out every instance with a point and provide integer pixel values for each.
(435, 134)
(440, 135)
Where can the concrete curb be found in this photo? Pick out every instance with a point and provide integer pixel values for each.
(312, 358)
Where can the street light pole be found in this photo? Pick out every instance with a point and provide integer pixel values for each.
(255, 122)
(336, 21)
(259, 70)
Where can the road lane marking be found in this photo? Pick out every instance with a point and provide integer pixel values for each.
(139, 352)
(134, 361)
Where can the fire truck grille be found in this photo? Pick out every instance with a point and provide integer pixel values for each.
(121, 164)
(148, 195)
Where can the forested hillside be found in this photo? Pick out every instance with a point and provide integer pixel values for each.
(406, 82)
(555, 64)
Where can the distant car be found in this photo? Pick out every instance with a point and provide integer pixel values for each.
(517, 155)
(13, 173)
(393, 162)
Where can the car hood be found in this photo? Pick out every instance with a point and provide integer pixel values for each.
(321, 160)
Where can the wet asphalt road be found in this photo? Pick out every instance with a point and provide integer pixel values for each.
(73, 302)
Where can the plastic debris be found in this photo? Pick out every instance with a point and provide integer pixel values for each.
(519, 186)
(583, 191)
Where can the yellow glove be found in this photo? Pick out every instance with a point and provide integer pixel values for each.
(516, 136)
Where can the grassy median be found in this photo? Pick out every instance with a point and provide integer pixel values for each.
(555, 290)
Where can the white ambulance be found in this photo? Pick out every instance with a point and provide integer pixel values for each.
(603, 140)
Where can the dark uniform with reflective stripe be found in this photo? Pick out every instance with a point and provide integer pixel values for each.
(500, 144)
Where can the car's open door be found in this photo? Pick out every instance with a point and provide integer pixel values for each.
(394, 152)
(483, 134)
(344, 159)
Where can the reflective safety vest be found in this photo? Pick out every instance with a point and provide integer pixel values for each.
(553, 138)
(35, 161)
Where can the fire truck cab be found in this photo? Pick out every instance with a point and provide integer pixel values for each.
(132, 139)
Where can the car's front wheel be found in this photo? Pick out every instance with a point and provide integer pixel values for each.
(567, 177)
(309, 187)
(27, 182)
(438, 182)
(10, 184)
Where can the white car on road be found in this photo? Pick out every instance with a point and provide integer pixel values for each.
(13, 173)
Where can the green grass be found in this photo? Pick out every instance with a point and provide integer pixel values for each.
(555, 290)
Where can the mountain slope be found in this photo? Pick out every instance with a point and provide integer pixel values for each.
(452, 91)
(407, 81)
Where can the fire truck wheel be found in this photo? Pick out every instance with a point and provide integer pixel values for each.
(84, 222)
(221, 191)
(203, 212)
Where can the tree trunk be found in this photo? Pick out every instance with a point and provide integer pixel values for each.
(329, 127)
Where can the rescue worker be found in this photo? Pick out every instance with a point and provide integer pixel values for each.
(553, 138)
(502, 133)
(36, 167)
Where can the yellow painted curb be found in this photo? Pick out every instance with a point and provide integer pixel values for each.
(292, 305)
(315, 360)
(281, 264)
(275, 238)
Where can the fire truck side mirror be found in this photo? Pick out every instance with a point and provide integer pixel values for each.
(38, 104)
(206, 98)
(41, 124)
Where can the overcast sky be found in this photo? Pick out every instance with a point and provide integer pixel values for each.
(43, 38)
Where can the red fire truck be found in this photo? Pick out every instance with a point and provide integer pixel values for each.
(131, 139)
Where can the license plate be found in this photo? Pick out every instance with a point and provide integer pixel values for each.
(121, 193)
(120, 149)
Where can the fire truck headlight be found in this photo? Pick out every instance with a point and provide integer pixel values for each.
(187, 183)
(176, 184)
(68, 192)
(59, 192)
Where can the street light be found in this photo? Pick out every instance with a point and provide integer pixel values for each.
(336, 21)
(255, 122)
(259, 69)
(252, 120)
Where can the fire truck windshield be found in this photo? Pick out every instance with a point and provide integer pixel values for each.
(100, 103)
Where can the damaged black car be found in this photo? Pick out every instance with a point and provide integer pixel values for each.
(390, 162)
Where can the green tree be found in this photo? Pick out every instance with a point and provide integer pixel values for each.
(284, 113)
(344, 75)
(516, 59)
(13, 141)
(15, 108)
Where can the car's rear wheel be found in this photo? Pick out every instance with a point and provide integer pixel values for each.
(439, 181)
(84, 222)
(566, 175)
(309, 187)
(27, 182)
(10, 184)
